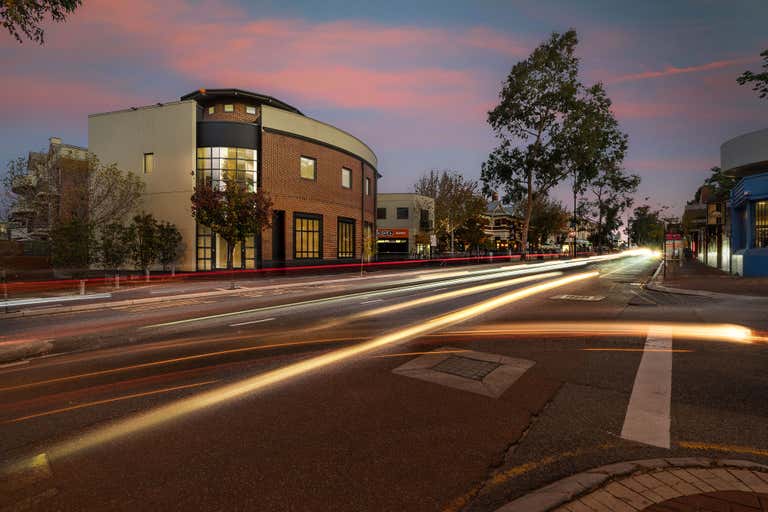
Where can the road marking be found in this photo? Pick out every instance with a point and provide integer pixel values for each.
(109, 400)
(728, 448)
(648, 415)
(371, 301)
(587, 298)
(675, 350)
(253, 322)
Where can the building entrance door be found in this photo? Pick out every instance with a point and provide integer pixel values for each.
(278, 238)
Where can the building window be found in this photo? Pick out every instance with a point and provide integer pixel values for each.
(346, 178)
(345, 236)
(381, 213)
(204, 248)
(402, 213)
(761, 224)
(216, 165)
(307, 236)
(211, 110)
(149, 163)
(424, 221)
(308, 168)
(250, 110)
(367, 186)
(229, 108)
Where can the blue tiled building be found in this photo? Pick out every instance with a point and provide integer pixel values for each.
(746, 157)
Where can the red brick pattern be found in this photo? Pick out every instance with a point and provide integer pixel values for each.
(723, 501)
(238, 115)
(291, 193)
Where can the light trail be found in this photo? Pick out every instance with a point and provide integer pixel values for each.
(474, 276)
(699, 331)
(229, 392)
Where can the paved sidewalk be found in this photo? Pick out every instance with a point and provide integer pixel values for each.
(657, 485)
(694, 275)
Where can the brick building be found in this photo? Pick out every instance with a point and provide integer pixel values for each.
(321, 180)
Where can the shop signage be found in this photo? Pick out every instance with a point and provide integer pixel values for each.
(673, 236)
(391, 233)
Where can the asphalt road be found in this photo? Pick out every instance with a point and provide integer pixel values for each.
(297, 399)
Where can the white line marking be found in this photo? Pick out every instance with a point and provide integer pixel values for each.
(371, 301)
(253, 322)
(648, 415)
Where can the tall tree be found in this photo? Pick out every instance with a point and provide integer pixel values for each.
(232, 213)
(759, 81)
(608, 195)
(115, 246)
(646, 226)
(169, 244)
(536, 99)
(457, 200)
(549, 217)
(26, 16)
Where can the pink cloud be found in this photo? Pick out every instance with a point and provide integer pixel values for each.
(671, 70)
(671, 165)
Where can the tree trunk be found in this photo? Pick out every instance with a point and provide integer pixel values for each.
(230, 251)
(600, 231)
(528, 212)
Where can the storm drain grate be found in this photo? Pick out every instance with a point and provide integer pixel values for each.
(465, 367)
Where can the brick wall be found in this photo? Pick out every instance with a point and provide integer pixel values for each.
(325, 196)
(239, 113)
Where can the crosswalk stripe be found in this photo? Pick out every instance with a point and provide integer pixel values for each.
(648, 415)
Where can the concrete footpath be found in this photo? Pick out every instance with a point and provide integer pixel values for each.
(656, 485)
(691, 277)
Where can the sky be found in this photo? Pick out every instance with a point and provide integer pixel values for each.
(414, 80)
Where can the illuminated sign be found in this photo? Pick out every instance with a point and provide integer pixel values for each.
(391, 233)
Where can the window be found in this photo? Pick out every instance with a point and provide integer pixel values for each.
(149, 163)
(345, 236)
(424, 221)
(229, 108)
(367, 186)
(211, 110)
(250, 110)
(346, 178)
(214, 165)
(381, 213)
(308, 168)
(204, 248)
(402, 213)
(761, 224)
(307, 236)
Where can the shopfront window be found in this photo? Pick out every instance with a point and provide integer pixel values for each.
(216, 165)
(761, 224)
(346, 238)
(307, 236)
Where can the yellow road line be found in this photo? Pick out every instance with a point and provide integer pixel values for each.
(109, 400)
(636, 350)
(748, 450)
(170, 361)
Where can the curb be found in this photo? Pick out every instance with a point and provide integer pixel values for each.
(651, 285)
(568, 489)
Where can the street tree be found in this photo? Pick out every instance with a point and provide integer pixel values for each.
(115, 243)
(111, 193)
(72, 245)
(609, 194)
(25, 16)
(537, 97)
(758, 81)
(549, 218)
(471, 234)
(646, 226)
(457, 200)
(720, 183)
(169, 242)
(144, 241)
(233, 212)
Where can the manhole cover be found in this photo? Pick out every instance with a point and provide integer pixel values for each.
(465, 367)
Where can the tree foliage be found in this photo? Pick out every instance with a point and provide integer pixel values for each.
(549, 218)
(112, 194)
(72, 245)
(115, 244)
(608, 196)
(646, 226)
(536, 100)
(25, 16)
(759, 81)
(457, 200)
(233, 212)
(144, 241)
(169, 242)
(720, 183)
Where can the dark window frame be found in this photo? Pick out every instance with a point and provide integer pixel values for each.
(399, 213)
(379, 215)
(761, 224)
(348, 223)
(347, 169)
(308, 216)
(367, 186)
(144, 163)
(315, 167)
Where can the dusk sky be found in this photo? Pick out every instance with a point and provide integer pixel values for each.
(414, 80)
